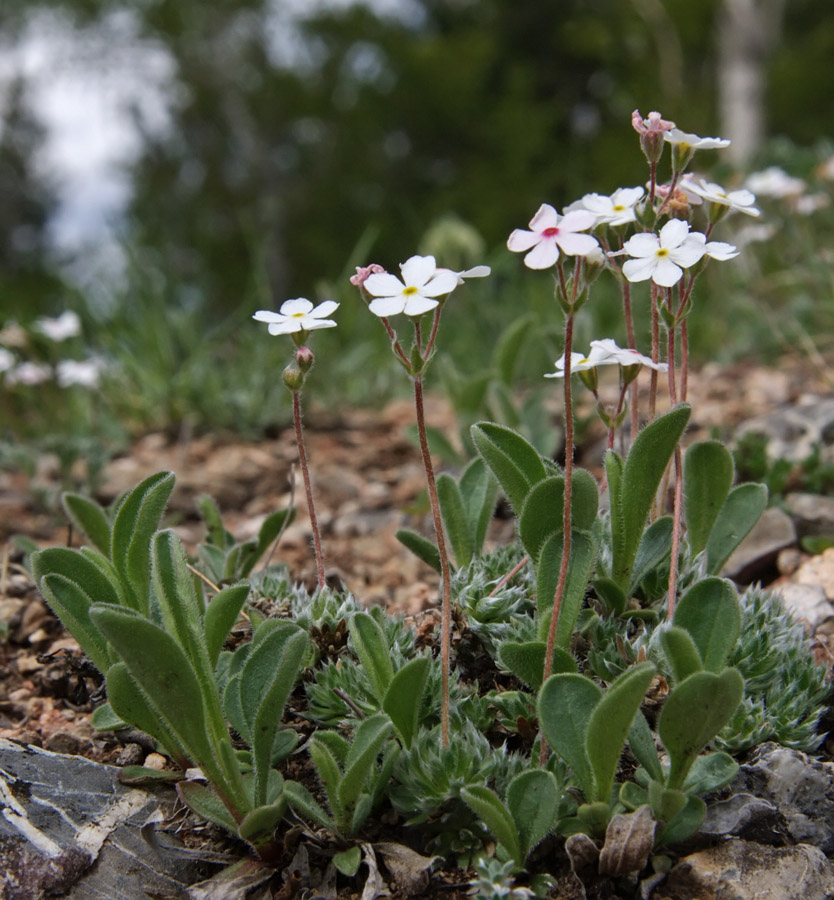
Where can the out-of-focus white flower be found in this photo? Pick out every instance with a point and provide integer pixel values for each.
(755, 234)
(29, 373)
(83, 372)
(551, 233)
(774, 182)
(604, 353)
(811, 203)
(662, 258)
(740, 201)
(7, 359)
(618, 209)
(298, 315)
(65, 326)
(14, 335)
(682, 139)
(422, 283)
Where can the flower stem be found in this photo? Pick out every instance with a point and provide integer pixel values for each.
(678, 501)
(445, 573)
(308, 488)
(655, 354)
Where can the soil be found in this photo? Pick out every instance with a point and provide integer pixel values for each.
(368, 481)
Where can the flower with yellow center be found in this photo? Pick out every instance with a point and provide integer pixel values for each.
(298, 315)
(416, 293)
(662, 258)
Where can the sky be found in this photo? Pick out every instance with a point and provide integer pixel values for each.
(90, 87)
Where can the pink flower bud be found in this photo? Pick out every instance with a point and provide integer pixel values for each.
(363, 273)
(651, 133)
(304, 359)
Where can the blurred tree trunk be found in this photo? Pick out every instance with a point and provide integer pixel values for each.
(748, 32)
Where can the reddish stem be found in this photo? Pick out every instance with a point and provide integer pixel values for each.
(445, 574)
(305, 472)
(678, 501)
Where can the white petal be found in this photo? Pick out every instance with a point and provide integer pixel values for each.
(578, 220)
(521, 240)
(324, 309)
(294, 307)
(642, 245)
(545, 217)
(476, 272)
(267, 315)
(666, 273)
(387, 306)
(639, 269)
(576, 244)
(383, 284)
(627, 196)
(418, 270)
(720, 250)
(417, 305)
(288, 326)
(543, 255)
(443, 282)
(311, 324)
(673, 233)
(690, 251)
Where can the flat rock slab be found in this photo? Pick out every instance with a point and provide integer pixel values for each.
(68, 828)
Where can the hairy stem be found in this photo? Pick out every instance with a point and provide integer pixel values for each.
(678, 501)
(308, 488)
(445, 573)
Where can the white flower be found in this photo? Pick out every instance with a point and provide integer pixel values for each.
(476, 272)
(663, 258)
(298, 315)
(811, 203)
(682, 139)
(618, 209)
(29, 373)
(549, 233)
(604, 353)
(422, 282)
(741, 200)
(85, 373)
(6, 359)
(720, 250)
(67, 325)
(774, 182)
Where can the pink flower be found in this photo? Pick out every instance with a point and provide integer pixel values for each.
(653, 125)
(550, 233)
(363, 273)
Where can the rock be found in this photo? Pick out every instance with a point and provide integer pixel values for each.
(801, 788)
(68, 828)
(818, 570)
(758, 552)
(813, 514)
(807, 603)
(793, 432)
(743, 870)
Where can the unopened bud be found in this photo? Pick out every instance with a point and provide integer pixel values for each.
(293, 378)
(304, 359)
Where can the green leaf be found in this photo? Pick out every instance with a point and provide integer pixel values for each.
(369, 644)
(497, 818)
(142, 775)
(610, 594)
(104, 719)
(710, 772)
(740, 512)
(303, 802)
(707, 479)
(367, 742)
(681, 653)
(347, 861)
(420, 546)
(684, 824)
(526, 660)
(164, 675)
(693, 714)
(614, 473)
(533, 800)
(205, 802)
(258, 827)
(632, 795)
(609, 724)
(710, 612)
(647, 460)
(542, 514)
(221, 614)
(216, 533)
(565, 704)
(330, 775)
(515, 463)
(136, 521)
(131, 704)
(455, 521)
(479, 491)
(177, 595)
(404, 697)
(641, 742)
(90, 518)
(655, 548)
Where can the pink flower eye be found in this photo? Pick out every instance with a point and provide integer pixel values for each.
(550, 232)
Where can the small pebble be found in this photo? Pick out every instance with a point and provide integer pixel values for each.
(68, 743)
(130, 755)
(155, 761)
